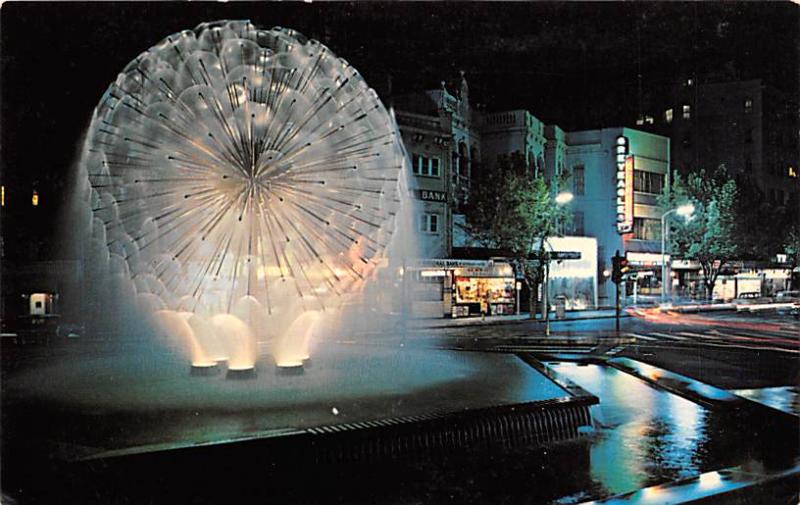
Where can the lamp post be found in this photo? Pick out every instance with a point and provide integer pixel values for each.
(685, 211)
(562, 198)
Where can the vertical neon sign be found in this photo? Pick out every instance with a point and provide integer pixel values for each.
(624, 186)
(629, 193)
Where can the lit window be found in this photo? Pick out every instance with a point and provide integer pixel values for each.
(640, 121)
(687, 111)
(646, 229)
(748, 105)
(429, 223)
(422, 165)
(433, 167)
(792, 172)
(648, 119)
(668, 116)
(689, 82)
(35, 198)
(648, 182)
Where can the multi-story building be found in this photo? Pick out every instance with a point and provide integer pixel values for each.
(440, 132)
(507, 132)
(748, 126)
(616, 176)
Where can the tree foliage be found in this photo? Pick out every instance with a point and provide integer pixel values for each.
(513, 210)
(791, 245)
(761, 222)
(710, 235)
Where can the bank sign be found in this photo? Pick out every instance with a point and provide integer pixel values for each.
(432, 196)
(624, 186)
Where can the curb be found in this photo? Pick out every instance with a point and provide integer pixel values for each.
(516, 321)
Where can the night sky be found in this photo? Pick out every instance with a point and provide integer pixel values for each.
(573, 64)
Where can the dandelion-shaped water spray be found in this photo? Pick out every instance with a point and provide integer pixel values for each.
(241, 173)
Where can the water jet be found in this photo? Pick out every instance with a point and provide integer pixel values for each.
(241, 373)
(204, 370)
(245, 180)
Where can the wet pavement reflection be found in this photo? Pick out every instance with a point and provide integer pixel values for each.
(785, 398)
(646, 436)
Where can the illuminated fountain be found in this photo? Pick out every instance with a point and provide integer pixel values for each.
(240, 185)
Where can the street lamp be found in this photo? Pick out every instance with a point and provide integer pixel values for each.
(562, 198)
(685, 211)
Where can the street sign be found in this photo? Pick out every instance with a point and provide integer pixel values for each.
(565, 255)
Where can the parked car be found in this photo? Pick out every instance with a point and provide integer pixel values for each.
(787, 296)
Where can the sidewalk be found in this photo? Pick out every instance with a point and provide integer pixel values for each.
(523, 317)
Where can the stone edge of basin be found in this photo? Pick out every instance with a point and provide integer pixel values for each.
(712, 487)
(574, 406)
(561, 380)
(691, 389)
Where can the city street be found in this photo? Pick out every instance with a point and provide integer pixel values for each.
(727, 349)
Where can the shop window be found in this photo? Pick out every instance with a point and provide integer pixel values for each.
(648, 182)
(687, 111)
(646, 229)
(429, 223)
(472, 293)
(579, 180)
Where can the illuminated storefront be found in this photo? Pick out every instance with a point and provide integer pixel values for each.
(462, 288)
(575, 280)
(489, 288)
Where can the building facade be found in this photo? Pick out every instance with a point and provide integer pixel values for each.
(749, 127)
(602, 164)
(450, 144)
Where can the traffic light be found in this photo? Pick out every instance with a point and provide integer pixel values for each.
(620, 268)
